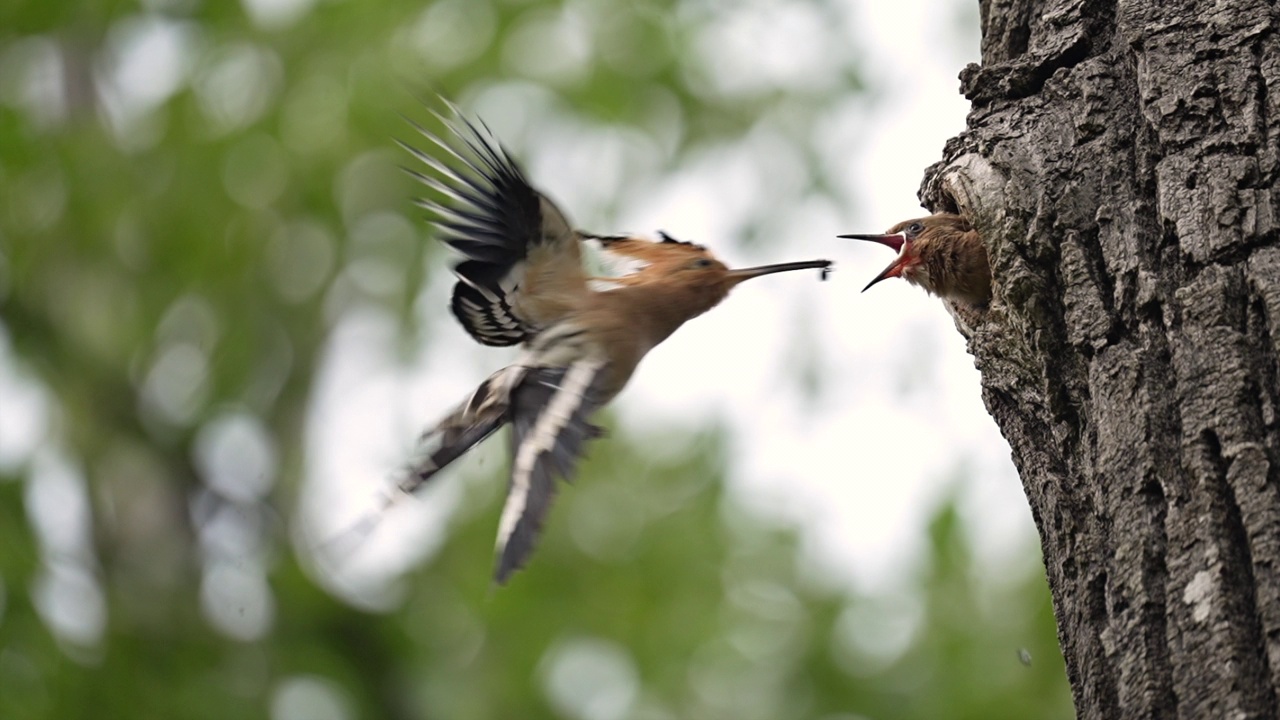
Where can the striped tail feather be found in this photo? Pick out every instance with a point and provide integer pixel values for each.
(549, 416)
(483, 413)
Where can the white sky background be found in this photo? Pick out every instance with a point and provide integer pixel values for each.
(899, 416)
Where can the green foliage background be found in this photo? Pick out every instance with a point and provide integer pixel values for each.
(171, 256)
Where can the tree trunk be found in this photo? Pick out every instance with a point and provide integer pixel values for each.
(1120, 163)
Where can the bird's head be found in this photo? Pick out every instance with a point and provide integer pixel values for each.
(692, 266)
(913, 240)
(904, 239)
(682, 277)
(685, 270)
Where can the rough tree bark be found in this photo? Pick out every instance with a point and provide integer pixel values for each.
(1121, 163)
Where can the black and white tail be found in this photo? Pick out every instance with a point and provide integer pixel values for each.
(482, 414)
(549, 419)
(549, 410)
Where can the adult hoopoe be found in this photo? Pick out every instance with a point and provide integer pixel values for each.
(522, 281)
(941, 253)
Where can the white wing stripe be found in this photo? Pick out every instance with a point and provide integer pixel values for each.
(543, 438)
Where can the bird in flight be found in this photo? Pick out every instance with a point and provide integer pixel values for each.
(522, 281)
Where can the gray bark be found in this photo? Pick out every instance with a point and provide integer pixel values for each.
(1120, 162)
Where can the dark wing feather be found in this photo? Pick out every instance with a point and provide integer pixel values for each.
(549, 416)
(493, 218)
(486, 314)
(469, 424)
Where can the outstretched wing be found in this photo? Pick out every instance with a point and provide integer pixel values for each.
(522, 267)
(550, 411)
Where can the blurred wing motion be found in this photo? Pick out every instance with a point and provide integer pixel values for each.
(523, 268)
(548, 408)
(549, 428)
(482, 414)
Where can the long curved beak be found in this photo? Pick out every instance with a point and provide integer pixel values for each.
(741, 274)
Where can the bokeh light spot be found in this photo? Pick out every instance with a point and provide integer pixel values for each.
(255, 172)
(237, 85)
(237, 600)
(300, 258)
(71, 603)
(236, 456)
(307, 697)
(590, 679)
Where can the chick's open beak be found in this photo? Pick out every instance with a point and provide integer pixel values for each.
(898, 242)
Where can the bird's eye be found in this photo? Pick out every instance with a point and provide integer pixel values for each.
(914, 229)
(701, 263)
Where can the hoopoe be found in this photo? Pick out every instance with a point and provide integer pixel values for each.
(522, 281)
(941, 253)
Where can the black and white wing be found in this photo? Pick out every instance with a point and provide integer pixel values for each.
(511, 236)
(483, 413)
(549, 416)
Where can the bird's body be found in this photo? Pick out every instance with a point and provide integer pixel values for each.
(941, 253)
(523, 282)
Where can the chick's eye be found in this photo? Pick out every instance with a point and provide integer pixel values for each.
(914, 229)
